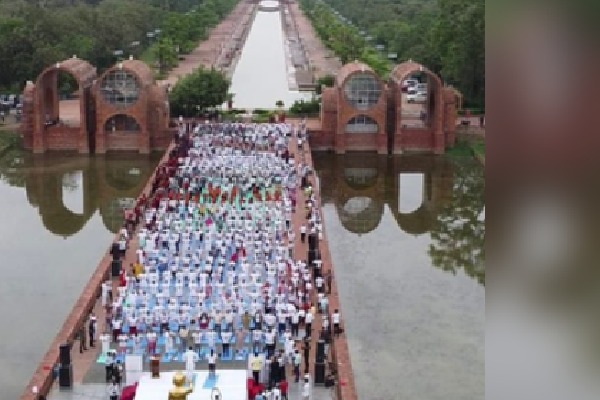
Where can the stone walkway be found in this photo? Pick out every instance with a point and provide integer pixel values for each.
(321, 60)
(224, 43)
(89, 375)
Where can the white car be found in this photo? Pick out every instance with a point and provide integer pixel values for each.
(409, 84)
(419, 97)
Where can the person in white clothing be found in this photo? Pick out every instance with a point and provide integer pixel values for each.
(306, 388)
(191, 358)
(168, 342)
(212, 363)
(105, 343)
(335, 318)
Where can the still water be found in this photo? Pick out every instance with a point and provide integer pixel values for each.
(58, 217)
(261, 78)
(406, 236)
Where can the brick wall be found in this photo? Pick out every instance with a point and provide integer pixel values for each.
(123, 140)
(62, 138)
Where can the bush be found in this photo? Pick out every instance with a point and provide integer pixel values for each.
(260, 111)
(327, 81)
(301, 107)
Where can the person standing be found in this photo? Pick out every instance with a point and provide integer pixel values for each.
(226, 339)
(112, 390)
(308, 323)
(105, 342)
(276, 393)
(295, 321)
(256, 365)
(274, 371)
(118, 372)
(306, 349)
(92, 329)
(212, 363)
(297, 360)
(335, 318)
(270, 342)
(108, 365)
(306, 388)
(82, 337)
(303, 233)
(190, 357)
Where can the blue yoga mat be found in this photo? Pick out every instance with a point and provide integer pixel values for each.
(210, 381)
(227, 356)
(242, 354)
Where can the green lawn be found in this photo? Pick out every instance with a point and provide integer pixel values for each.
(471, 148)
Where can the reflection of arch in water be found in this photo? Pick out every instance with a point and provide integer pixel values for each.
(101, 185)
(360, 214)
(112, 212)
(46, 192)
(359, 196)
(120, 178)
(437, 190)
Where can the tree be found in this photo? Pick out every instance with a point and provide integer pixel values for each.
(458, 235)
(165, 53)
(202, 89)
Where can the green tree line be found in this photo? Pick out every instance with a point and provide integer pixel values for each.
(38, 33)
(447, 36)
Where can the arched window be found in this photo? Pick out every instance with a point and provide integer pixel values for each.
(362, 124)
(121, 123)
(362, 91)
(120, 88)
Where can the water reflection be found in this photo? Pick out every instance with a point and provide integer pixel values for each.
(401, 232)
(424, 194)
(86, 184)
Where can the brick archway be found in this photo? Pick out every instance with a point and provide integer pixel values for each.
(410, 138)
(125, 89)
(46, 130)
(349, 105)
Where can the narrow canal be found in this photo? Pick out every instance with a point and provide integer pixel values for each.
(261, 78)
(59, 215)
(406, 236)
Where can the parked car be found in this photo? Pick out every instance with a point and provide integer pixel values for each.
(408, 83)
(421, 87)
(4, 100)
(418, 97)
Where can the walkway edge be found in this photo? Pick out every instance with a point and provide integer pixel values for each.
(346, 388)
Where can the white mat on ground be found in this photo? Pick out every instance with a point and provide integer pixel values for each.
(231, 383)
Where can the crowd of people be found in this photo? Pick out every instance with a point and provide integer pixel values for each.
(216, 268)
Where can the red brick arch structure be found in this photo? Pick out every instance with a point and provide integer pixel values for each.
(356, 88)
(126, 95)
(41, 116)
(381, 125)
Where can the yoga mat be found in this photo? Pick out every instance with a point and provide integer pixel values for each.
(210, 382)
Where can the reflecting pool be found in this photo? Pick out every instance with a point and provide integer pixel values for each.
(406, 236)
(261, 77)
(59, 214)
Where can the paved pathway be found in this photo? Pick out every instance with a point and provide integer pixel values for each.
(321, 59)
